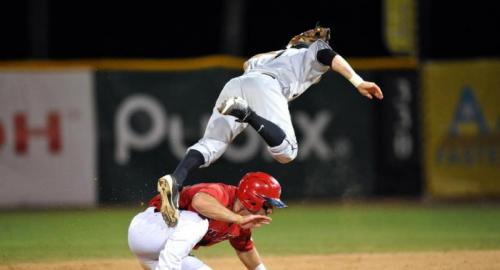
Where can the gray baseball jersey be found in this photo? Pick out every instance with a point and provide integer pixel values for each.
(270, 81)
(295, 69)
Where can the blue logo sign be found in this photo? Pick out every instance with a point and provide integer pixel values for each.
(469, 149)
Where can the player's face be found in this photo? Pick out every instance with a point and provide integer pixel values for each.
(266, 210)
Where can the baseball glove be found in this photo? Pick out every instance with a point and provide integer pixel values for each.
(308, 37)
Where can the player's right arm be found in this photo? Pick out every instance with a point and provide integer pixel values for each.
(328, 57)
(367, 89)
(210, 207)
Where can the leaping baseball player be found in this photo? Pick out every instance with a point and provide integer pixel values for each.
(259, 98)
(209, 213)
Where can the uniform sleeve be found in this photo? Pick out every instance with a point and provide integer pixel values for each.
(315, 67)
(319, 45)
(243, 242)
(260, 59)
(217, 192)
(155, 202)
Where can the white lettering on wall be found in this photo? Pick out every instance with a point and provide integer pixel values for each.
(171, 129)
(403, 140)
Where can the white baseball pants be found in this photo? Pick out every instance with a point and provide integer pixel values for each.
(159, 247)
(264, 96)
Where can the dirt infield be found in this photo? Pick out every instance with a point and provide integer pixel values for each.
(455, 260)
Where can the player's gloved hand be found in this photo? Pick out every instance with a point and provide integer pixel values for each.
(370, 89)
(253, 221)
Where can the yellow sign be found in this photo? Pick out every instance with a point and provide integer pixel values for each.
(461, 113)
(400, 20)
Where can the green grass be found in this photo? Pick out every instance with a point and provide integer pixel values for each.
(300, 229)
(55, 235)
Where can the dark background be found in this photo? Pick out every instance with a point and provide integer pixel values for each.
(171, 29)
(63, 30)
(348, 173)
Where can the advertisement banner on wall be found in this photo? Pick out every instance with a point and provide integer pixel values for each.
(148, 119)
(47, 149)
(398, 142)
(462, 128)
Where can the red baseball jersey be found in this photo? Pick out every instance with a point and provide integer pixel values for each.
(218, 231)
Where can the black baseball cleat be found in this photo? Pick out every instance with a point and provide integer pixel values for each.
(237, 107)
(169, 192)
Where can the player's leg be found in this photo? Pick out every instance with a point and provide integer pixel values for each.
(219, 133)
(189, 231)
(276, 111)
(147, 235)
(193, 263)
(263, 106)
(238, 107)
(169, 185)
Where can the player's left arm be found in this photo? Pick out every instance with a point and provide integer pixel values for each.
(251, 259)
(210, 207)
(340, 65)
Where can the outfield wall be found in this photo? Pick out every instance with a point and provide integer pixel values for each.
(47, 138)
(461, 113)
(135, 119)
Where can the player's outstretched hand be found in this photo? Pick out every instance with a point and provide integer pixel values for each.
(254, 221)
(370, 89)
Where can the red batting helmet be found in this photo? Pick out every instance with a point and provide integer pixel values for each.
(257, 190)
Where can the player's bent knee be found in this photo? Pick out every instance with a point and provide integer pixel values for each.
(285, 152)
(210, 149)
(169, 260)
(283, 159)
